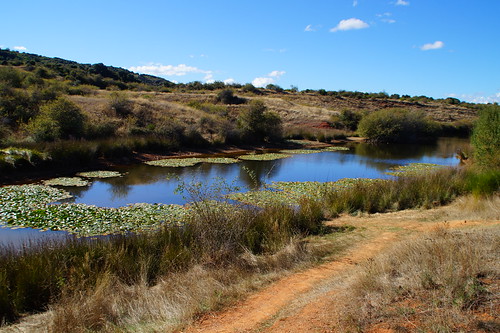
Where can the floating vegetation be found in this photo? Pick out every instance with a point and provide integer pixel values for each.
(290, 193)
(263, 157)
(86, 220)
(18, 199)
(264, 198)
(220, 160)
(413, 169)
(186, 162)
(66, 181)
(99, 174)
(175, 162)
(27, 206)
(300, 151)
(334, 148)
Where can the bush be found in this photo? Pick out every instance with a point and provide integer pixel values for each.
(258, 125)
(397, 125)
(62, 114)
(43, 128)
(120, 104)
(486, 137)
(227, 97)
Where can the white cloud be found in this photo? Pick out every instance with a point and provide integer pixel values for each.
(402, 3)
(432, 46)
(20, 48)
(170, 70)
(262, 81)
(229, 81)
(478, 98)
(384, 14)
(268, 79)
(309, 28)
(390, 21)
(350, 24)
(276, 74)
(355, 3)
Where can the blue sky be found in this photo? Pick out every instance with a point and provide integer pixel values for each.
(437, 48)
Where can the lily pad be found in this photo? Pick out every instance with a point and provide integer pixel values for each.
(220, 160)
(334, 148)
(263, 157)
(66, 181)
(175, 162)
(99, 174)
(300, 151)
(413, 169)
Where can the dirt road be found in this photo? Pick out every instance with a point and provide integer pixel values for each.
(304, 302)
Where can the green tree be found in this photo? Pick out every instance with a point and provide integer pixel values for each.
(60, 118)
(259, 125)
(486, 137)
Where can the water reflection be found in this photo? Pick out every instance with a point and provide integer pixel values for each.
(144, 183)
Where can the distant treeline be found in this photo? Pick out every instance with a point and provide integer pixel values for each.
(109, 77)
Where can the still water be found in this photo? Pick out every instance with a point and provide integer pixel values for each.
(152, 184)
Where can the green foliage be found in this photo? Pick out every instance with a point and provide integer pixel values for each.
(484, 182)
(486, 137)
(421, 190)
(258, 125)
(350, 119)
(396, 125)
(227, 97)
(58, 119)
(250, 88)
(274, 87)
(10, 77)
(43, 129)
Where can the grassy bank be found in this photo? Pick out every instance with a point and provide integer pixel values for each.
(445, 281)
(215, 235)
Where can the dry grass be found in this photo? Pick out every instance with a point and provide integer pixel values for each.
(446, 281)
(175, 300)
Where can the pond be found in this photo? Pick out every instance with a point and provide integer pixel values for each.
(153, 184)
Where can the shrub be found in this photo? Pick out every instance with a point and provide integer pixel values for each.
(258, 125)
(66, 115)
(227, 97)
(251, 89)
(120, 104)
(43, 128)
(396, 125)
(486, 137)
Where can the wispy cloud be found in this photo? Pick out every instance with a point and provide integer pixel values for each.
(309, 28)
(171, 70)
(20, 48)
(276, 74)
(478, 97)
(390, 21)
(268, 79)
(355, 3)
(432, 46)
(402, 3)
(350, 24)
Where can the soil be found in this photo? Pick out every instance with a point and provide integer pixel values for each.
(304, 302)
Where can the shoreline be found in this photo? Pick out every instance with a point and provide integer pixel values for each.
(36, 174)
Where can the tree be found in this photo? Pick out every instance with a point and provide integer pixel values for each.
(59, 119)
(258, 125)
